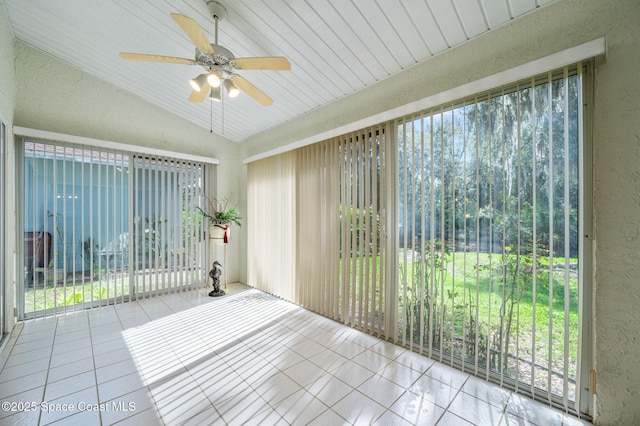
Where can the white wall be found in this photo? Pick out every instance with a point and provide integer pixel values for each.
(66, 100)
(7, 103)
(616, 128)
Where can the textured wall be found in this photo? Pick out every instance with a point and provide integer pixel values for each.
(617, 217)
(7, 103)
(7, 72)
(616, 148)
(66, 100)
(57, 97)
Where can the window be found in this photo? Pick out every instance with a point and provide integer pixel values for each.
(455, 231)
(490, 215)
(104, 226)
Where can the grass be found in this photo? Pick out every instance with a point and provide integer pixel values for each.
(79, 290)
(473, 286)
(50, 296)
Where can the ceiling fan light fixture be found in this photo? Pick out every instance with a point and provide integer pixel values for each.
(219, 63)
(199, 82)
(232, 90)
(213, 79)
(214, 95)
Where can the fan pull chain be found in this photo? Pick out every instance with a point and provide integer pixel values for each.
(222, 102)
(211, 118)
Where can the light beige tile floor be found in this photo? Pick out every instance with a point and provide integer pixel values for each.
(247, 358)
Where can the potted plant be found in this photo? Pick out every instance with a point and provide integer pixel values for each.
(220, 217)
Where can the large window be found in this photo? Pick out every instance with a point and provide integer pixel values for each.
(456, 231)
(106, 226)
(489, 207)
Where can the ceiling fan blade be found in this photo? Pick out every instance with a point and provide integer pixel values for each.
(194, 32)
(252, 91)
(156, 58)
(277, 63)
(201, 95)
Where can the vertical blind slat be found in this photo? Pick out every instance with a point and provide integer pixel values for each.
(581, 231)
(405, 230)
(567, 241)
(551, 232)
(534, 285)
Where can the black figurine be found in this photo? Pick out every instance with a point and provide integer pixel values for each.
(215, 273)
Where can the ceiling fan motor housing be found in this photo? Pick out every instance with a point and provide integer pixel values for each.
(222, 58)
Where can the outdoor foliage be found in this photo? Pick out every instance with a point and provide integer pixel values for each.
(488, 210)
(364, 225)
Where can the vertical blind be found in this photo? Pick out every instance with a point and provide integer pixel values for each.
(489, 247)
(454, 231)
(104, 226)
(168, 228)
(271, 225)
(320, 212)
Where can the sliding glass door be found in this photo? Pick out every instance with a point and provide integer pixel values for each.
(104, 226)
(3, 195)
(316, 227)
(167, 228)
(340, 267)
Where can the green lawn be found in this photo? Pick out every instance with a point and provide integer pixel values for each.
(76, 293)
(486, 296)
(471, 287)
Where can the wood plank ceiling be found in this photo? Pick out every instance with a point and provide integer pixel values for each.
(336, 47)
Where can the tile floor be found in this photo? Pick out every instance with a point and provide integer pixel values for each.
(248, 358)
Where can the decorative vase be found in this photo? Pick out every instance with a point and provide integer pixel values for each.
(219, 234)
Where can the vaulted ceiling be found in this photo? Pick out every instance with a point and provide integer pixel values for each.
(336, 47)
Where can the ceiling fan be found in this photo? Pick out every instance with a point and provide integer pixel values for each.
(219, 63)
